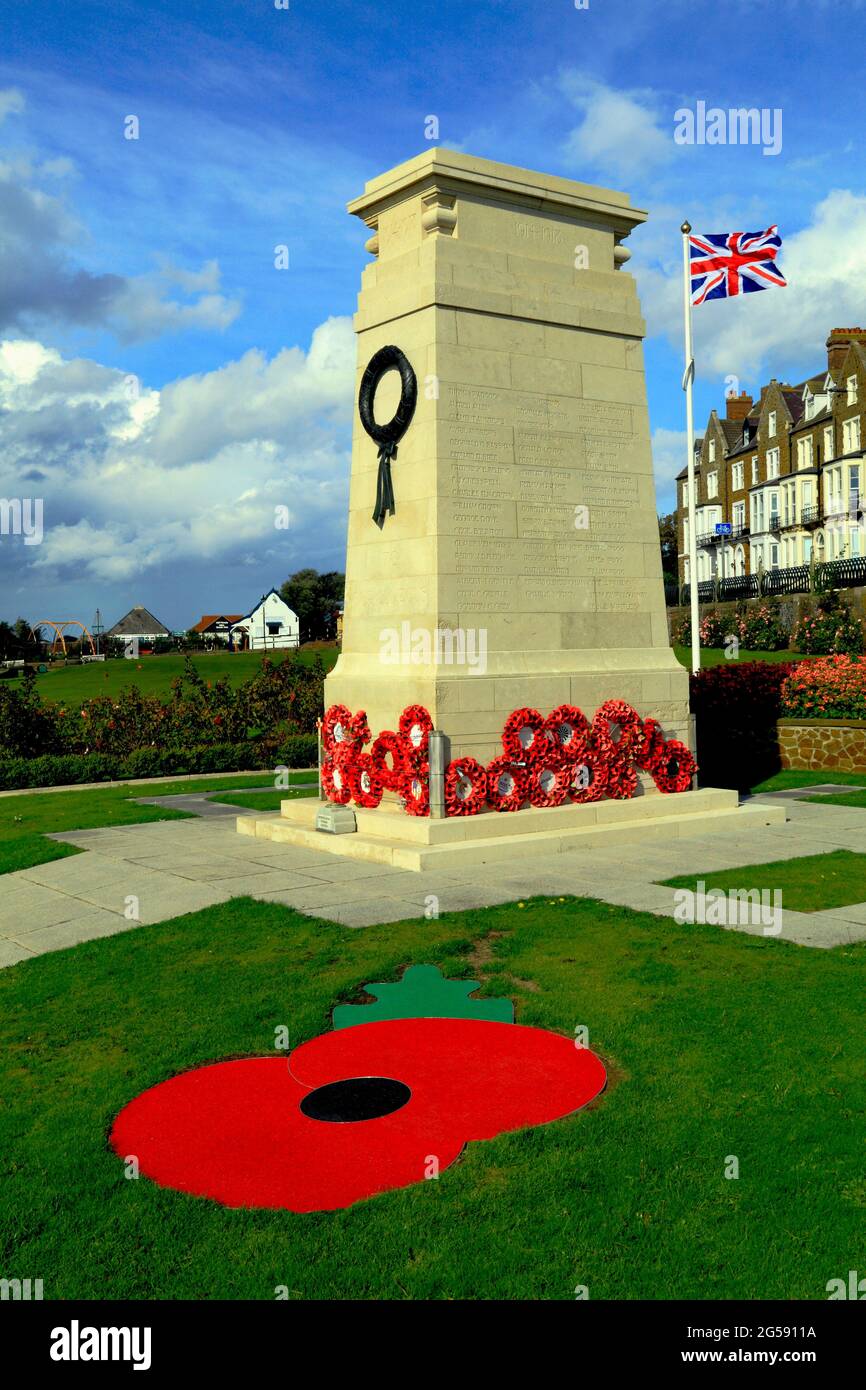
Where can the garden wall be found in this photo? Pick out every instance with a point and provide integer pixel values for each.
(791, 607)
(829, 744)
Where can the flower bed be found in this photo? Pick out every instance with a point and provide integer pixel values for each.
(831, 687)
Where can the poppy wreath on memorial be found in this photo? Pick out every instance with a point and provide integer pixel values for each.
(648, 748)
(506, 784)
(548, 782)
(675, 767)
(588, 777)
(615, 714)
(387, 436)
(415, 792)
(569, 728)
(465, 787)
(415, 726)
(336, 727)
(337, 775)
(388, 744)
(365, 782)
(524, 737)
(621, 782)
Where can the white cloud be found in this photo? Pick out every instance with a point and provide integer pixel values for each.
(11, 102)
(179, 479)
(619, 131)
(781, 331)
(669, 456)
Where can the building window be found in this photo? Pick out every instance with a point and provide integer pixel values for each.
(771, 425)
(855, 541)
(774, 557)
(772, 463)
(829, 450)
(804, 452)
(851, 385)
(712, 484)
(739, 515)
(754, 469)
(274, 628)
(854, 487)
(851, 436)
(711, 451)
(737, 477)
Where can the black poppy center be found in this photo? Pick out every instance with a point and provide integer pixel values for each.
(358, 1098)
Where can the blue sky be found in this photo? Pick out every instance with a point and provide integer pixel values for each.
(152, 260)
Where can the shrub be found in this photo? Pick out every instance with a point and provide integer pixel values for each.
(736, 706)
(832, 687)
(56, 770)
(760, 629)
(832, 628)
(280, 703)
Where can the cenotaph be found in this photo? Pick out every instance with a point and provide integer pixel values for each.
(503, 544)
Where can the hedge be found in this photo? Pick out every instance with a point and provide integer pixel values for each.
(53, 770)
(736, 706)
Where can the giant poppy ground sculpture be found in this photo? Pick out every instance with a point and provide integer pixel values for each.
(386, 1100)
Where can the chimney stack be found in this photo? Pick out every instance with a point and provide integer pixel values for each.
(738, 407)
(838, 343)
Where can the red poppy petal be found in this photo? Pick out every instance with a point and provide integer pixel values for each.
(234, 1132)
(474, 1077)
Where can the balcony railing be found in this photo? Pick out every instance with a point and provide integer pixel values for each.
(775, 524)
(740, 531)
(810, 516)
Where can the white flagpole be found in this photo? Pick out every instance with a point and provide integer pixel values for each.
(688, 378)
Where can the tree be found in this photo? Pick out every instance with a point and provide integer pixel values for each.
(668, 543)
(314, 597)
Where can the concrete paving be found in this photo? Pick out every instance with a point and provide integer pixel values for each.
(131, 876)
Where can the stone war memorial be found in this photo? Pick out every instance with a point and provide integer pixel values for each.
(503, 571)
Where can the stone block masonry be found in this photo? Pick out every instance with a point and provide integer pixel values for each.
(823, 744)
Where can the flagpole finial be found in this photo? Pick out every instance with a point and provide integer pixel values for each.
(686, 228)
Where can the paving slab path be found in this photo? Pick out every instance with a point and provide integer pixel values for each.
(135, 875)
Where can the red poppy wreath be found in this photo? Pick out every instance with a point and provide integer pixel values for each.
(569, 727)
(387, 1099)
(588, 777)
(465, 787)
(506, 785)
(365, 783)
(415, 792)
(337, 775)
(548, 783)
(336, 726)
(648, 748)
(391, 746)
(675, 768)
(615, 714)
(415, 725)
(621, 782)
(523, 737)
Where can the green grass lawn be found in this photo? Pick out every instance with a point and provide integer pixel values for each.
(25, 820)
(809, 884)
(789, 777)
(716, 1044)
(153, 675)
(715, 656)
(841, 799)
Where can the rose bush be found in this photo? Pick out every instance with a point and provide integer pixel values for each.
(832, 687)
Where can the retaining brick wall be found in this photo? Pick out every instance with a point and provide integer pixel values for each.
(824, 744)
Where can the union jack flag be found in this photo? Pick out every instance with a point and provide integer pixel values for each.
(723, 264)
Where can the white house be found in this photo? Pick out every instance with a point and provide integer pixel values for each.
(270, 625)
